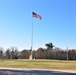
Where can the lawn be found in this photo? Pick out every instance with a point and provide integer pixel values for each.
(39, 64)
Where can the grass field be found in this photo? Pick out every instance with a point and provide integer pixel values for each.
(39, 64)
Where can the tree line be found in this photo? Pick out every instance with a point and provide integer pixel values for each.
(50, 52)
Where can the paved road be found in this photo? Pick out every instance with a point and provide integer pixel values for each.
(32, 72)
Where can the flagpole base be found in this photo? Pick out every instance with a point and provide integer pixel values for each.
(30, 58)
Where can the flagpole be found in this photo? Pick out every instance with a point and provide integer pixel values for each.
(31, 56)
(32, 36)
(67, 53)
(37, 16)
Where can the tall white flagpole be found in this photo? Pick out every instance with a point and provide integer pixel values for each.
(67, 53)
(31, 56)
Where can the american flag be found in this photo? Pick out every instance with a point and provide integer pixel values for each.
(36, 15)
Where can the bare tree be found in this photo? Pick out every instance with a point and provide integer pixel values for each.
(8, 54)
(39, 54)
(14, 52)
(25, 54)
